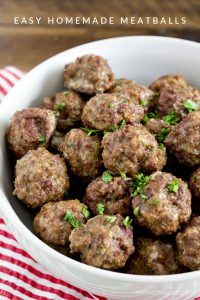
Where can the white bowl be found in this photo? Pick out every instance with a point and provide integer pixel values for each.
(142, 59)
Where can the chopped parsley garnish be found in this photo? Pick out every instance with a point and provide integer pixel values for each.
(127, 222)
(42, 138)
(154, 201)
(85, 212)
(56, 114)
(110, 105)
(122, 124)
(173, 186)
(115, 127)
(66, 92)
(162, 135)
(89, 131)
(139, 184)
(107, 177)
(136, 211)
(171, 118)
(59, 106)
(143, 102)
(100, 208)
(72, 220)
(124, 176)
(193, 177)
(151, 115)
(110, 219)
(145, 119)
(191, 105)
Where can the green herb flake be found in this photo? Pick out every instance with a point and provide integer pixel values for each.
(66, 92)
(194, 177)
(124, 176)
(143, 102)
(69, 217)
(139, 184)
(107, 177)
(122, 124)
(173, 186)
(85, 212)
(110, 219)
(171, 118)
(59, 106)
(162, 135)
(154, 201)
(100, 208)
(56, 114)
(145, 120)
(153, 114)
(127, 222)
(42, 138)
(136, 211)
(191, 105)
(110, 105)
(90, 131)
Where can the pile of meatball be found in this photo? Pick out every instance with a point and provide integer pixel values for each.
(111, 170)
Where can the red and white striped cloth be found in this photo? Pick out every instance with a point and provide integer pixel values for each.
(21, 277)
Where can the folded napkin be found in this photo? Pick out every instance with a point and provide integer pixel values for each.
(21, 277)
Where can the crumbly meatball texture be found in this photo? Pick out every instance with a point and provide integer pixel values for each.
(160, 209)
(183, 140)
(188, 243)
(89, 74)
(49, 223)
(153, 257)
(173, 98)
(115, 196)
(194, 183)
(83, 153)
(102, 243)
(168, 81)
(105, 110)
(132, 149)
(156, 125)
(40, 177)
(29, 129)
(69, 106)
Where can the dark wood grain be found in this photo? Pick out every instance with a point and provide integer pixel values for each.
(26, 46)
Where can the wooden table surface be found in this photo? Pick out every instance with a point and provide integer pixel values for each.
(27, 45)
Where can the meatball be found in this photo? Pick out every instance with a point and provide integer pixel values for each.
(89, 74)
(188, 243)
(30, 129)
(183, 140)
(194, 183)
(163, 204)
(106, 110)
(175, 99)
(104, 242)
(83, 153)
(113, 195)
(132, 149)
(69, 106)
(50, 223)
(40, 177)
(168, 81)
(156, 125)
(153, 257)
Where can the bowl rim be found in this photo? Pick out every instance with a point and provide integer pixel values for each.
(6, 206)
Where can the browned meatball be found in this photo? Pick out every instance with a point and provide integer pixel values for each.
(132, 149)
(156, 125)
(163, 204)
(153, 257)
(168, 81)
(194, 183)
(40, 177)
(106, 110)
(30, 129)
(104, 242)
(83, 152)
(51, 225)
(113, 194)
(175, 98)
(89, 74)
(69, 106)
(183, 140)
(188, 243)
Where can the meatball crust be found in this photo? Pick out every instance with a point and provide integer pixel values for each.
(168, 81)
(153, 257)
(183, 140)
(156, 125)
(83, 153)
(161, 208)
(69, 106)
(188, 243)
(132, 149)
(102, 242)
(115, 196)
(89, 74)
(194, 183)
(29, 129)
(40, 177)
(49, 223)
(173, 99)
(105, 110)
